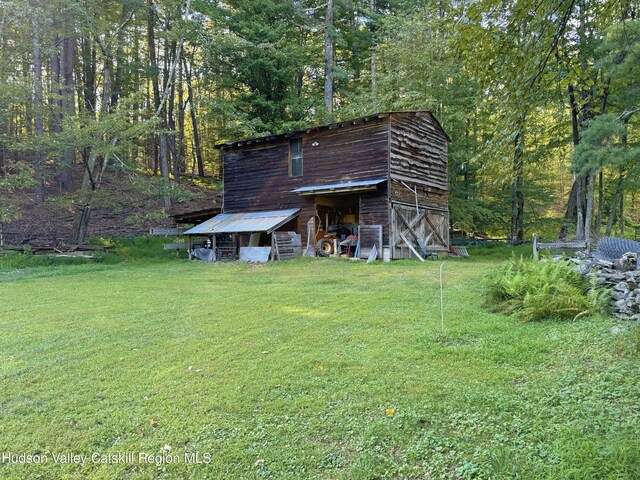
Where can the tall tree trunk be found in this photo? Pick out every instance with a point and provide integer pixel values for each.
(153, 63)
(89, 61)
(570, 212)
(156, 153)
(55, 83)
(520, 213)
(600, 202)
(603, 109)
(3, 152)
(172, 122)
(118, 81)
(624, 140)
(95, 165)
(580, 207)
(5, 126)
(586, 113)
(67, 104)
(622, 221)
(580, 177)
(89, 100)
(164, 169)
(588, 221)
(28, 121)
(37, 106)
(194, 122)
(576, 197)
(328, 60)
(181, 107)
(62, 104)
(517, 195)
(139, 106)
(373, 10)
(616, 200)
(163, 150)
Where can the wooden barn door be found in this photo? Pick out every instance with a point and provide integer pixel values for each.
(414, 230)
(368, 236)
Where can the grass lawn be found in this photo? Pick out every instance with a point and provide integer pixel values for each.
(305, 369)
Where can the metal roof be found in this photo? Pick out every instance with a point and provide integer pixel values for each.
(328, 126)
(340, 187)
(244, 222)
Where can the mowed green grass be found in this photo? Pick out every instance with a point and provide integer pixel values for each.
(306, 369)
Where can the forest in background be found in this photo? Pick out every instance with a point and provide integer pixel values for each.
(541, 98)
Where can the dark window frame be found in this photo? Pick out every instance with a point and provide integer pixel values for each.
(294, 156)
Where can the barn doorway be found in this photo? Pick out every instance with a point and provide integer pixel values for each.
(336, 224)
(337, 215)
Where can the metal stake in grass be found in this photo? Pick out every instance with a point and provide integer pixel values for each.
(441, 299)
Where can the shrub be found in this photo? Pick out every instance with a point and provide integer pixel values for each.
(533, 290)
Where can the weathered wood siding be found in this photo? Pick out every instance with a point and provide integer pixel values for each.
(418, 150)
(427, 224)
(418, 160)
(427, 196)
(374, 210)
(257, 178)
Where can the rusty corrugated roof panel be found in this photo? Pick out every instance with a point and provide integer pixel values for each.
(244, 222)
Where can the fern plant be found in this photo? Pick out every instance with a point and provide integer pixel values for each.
(534, 290)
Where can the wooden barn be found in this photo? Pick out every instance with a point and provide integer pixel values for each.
(379, 180)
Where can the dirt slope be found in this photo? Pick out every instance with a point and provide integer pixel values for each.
(125, 205)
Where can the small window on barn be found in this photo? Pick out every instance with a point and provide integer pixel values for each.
(295, 157)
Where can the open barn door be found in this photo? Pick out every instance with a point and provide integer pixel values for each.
(416, 231)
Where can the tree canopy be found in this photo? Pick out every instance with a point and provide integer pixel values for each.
(541, 100)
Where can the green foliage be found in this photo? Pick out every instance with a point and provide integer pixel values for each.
(16, 176)
(207, 183)
(158, 187)
(141, 218)
(140, 248)
(471, 214)
(537, 290)
(110, 134)
(258, 53)
(617, 53)
(604, 144)
(498, 251)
